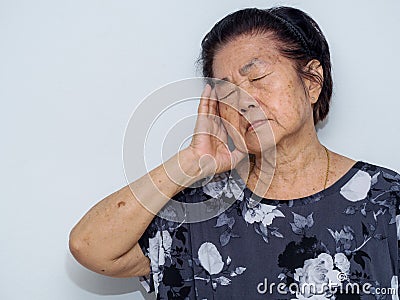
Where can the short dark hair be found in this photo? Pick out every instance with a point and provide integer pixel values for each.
(298, 35)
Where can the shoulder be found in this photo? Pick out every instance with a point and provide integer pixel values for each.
(367, 181)
(373, 188)
(374, 177)
(363, 171)
(380, 174)
(384, 184)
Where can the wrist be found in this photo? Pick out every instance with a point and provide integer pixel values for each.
(195, 165)
(189, 163)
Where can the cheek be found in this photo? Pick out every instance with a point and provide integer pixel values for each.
(289, 100)
(231, 120)
(229, 115)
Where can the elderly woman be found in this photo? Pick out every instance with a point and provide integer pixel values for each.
(302, 222)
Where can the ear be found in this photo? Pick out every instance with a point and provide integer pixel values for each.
(314, 81)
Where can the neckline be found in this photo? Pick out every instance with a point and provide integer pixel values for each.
(336, 186)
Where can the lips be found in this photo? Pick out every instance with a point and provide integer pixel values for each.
(253, 125)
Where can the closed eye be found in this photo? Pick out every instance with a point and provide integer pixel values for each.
(224, 97)
(260, 77)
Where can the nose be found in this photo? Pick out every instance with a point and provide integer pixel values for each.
(246, 102)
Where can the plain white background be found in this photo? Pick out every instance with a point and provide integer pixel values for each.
(72, 72)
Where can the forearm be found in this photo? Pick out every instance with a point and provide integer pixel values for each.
(107, 234)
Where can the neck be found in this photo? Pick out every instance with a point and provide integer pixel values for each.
(296, 157)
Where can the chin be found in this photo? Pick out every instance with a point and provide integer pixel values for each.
(262, 145)
(260, 149)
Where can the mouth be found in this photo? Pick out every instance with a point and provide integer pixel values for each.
(257, 123)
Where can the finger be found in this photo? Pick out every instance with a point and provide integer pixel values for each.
(204, 99)
(225, 126)
(222, 133)
(218, 111)
(213, 103)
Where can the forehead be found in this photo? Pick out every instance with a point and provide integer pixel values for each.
(244, 54)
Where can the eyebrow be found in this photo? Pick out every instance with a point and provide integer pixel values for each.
(245, 69)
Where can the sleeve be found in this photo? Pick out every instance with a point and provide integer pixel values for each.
(166, 242)
(395, 281)
(144, 242)
(146, 283)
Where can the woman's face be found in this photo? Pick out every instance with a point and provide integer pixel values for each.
(271, 96)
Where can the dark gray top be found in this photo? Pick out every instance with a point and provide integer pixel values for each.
(340, 243)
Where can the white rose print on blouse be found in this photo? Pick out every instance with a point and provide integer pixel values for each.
(217, 272)
(394, 284)
(256, 213)
(261, 216)
(215, 186)
(159, 250)
(318, 274)
(398, 226)
(223, 185)
(358, 187)
(342, 263)
(300, 223)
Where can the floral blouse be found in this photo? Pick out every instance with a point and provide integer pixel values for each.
(340, 243)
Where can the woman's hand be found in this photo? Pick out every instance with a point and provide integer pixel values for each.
(210, 139)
